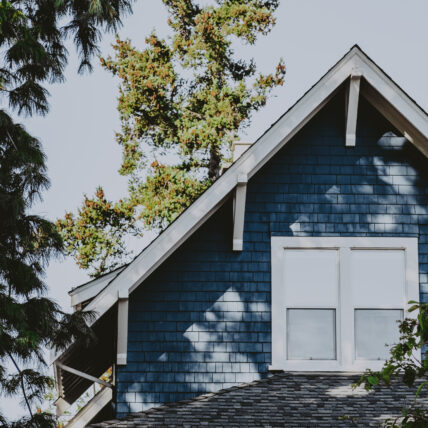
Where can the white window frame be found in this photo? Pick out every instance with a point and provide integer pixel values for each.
(345, 336)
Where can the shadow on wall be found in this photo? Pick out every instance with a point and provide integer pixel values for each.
(378, 188)
(201, 322)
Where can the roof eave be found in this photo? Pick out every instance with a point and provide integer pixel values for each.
(89, 290)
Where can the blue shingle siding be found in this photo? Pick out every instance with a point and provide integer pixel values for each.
(201, 322)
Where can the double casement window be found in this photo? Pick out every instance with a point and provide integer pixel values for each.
(336, 302)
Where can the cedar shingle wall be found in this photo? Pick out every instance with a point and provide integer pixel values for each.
(201, 322)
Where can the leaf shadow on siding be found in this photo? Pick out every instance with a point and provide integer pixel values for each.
(315, 186)
(201, 322)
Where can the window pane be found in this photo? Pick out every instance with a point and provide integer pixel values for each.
(311, 334)
(378, 277)
(375, 328)
(311, 277)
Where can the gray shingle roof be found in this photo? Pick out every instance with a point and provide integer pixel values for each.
(286, 399)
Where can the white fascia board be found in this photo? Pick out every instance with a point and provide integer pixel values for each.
(248, 164)
(162, 247)
(251, 161)
(394, 103)
(396, 118)
(297, 117)
(391, 91)
(91, 289)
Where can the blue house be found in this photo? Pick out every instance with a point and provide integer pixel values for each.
(281, 283)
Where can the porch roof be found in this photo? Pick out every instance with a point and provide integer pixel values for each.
(285, 399)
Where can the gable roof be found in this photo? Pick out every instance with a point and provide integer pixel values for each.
(102, 294)
(310, 399)
(377, 87)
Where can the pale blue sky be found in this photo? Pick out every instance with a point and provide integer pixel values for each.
(310, 35)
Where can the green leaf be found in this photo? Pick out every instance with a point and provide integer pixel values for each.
(373, 380)
(182, 103)
(420, 387)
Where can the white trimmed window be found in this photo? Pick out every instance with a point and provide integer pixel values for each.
(336, 302)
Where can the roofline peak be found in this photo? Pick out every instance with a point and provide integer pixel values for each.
(384, 92)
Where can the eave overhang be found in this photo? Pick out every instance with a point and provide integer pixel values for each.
(83, 364)
(86, 292)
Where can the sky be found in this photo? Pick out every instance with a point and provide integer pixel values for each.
(310, 35)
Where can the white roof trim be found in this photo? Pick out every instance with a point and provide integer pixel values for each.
(398, 104)
(90, 289)
(352, 111)
(394, 103)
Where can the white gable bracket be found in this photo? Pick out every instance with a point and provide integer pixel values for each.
(122, 327)
(377, 87)
(394, 104)
(352, 110)
(239, 212)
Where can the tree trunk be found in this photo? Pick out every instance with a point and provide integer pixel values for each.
(214, 164)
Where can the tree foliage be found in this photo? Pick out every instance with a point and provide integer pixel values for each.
(182, 102)
(408, 364)
(99, 229)
(33, 46)
(29, 321)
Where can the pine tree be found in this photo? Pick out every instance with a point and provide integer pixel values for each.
(182, 103)
(32, 42)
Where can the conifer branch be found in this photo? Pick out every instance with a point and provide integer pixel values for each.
(22, 384)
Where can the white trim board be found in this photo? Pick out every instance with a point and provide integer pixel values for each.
(84, 375)
(122, 330)
(91, 409)
(410, 118)
(89, 290)
(239, 214)
(344, 334)
(352, 110)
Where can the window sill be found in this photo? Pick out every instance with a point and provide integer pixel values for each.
(326, 366)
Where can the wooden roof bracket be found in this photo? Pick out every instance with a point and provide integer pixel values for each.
(239, 199)
(352, 109)
(122, 328)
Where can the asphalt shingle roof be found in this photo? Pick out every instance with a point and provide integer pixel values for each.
(282, 400)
